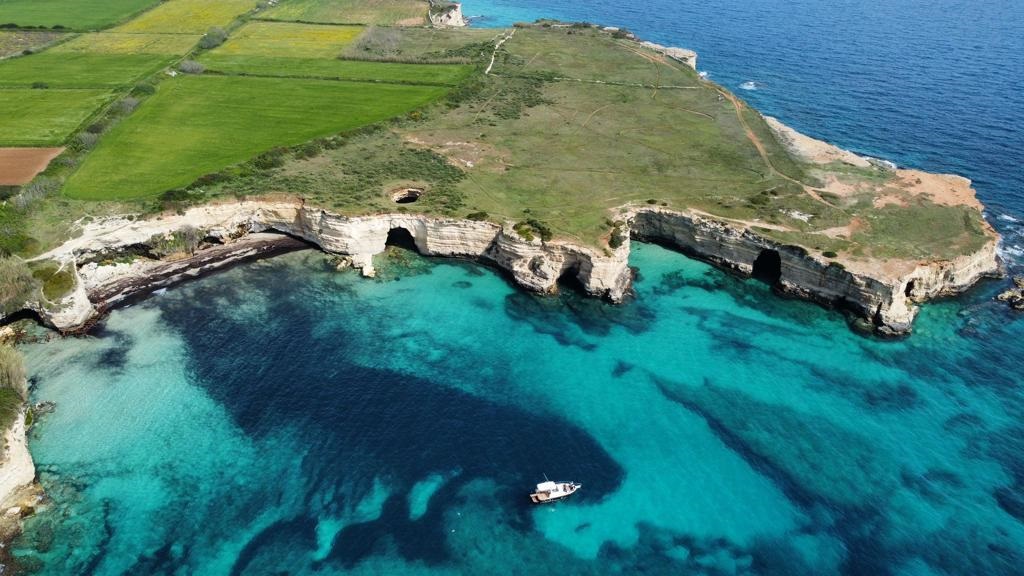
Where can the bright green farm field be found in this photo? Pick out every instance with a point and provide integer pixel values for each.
(440, 74)
(197, 125)
(71, 14)
(44, 117)
(79, 70)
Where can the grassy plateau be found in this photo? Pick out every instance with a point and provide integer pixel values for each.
(402, 12)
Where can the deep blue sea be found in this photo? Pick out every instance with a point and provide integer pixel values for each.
(287, 418)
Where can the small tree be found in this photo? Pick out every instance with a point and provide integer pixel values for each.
(214, 37)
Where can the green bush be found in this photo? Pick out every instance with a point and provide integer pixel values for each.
(478, 216)
(143, 89)
(214, 37)
(829, 254)
(617, 237)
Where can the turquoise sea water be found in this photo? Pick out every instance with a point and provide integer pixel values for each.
(286, 418)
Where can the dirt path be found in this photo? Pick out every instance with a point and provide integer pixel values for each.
(497, 46)
(763, 152)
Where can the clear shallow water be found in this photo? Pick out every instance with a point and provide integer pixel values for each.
(933, 85)
(286, 418)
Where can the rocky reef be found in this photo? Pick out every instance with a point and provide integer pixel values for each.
(1014, 297)
(884, 297)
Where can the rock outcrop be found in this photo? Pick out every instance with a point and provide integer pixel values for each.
(885, 296)
(682, 55)
(1014, 297)
(444, 13)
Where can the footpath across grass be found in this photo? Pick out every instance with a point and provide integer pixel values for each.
(197, 125)
(70, 14)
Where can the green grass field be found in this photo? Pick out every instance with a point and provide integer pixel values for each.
(188, 16)
(197, 125)
(45, 117)
(79, 70)
(440, 74)
(406, 12)
(71, 14)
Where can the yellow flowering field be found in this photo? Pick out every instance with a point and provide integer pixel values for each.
(121, 43)
(289, 40)
(188, 16)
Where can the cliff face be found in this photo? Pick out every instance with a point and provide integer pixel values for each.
(533, 264)
(885, 297)
(447, 15)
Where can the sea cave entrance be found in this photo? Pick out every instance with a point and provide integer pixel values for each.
(401, 238)
(768, 267)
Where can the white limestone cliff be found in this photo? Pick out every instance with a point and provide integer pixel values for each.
(885, 297)
(447, 14)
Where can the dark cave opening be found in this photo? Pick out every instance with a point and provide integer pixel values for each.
(768, 267)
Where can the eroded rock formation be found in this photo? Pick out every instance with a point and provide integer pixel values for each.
(884, 296)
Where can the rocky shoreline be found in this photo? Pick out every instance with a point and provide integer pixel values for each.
(883, 298)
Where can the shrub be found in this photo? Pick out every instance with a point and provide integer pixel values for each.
(143, 89)
(621, 33)
(269, 160)
(617, 237)
(85, 141)
(308, 150)
(214, 37)
(35, 191)
(17, 285)
(478, 216)
(829, 254)
(652, 201)
(40, 85)
(191, 67)
(97, 127)
(128, 104)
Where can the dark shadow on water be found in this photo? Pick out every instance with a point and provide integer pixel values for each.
(358, 423)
